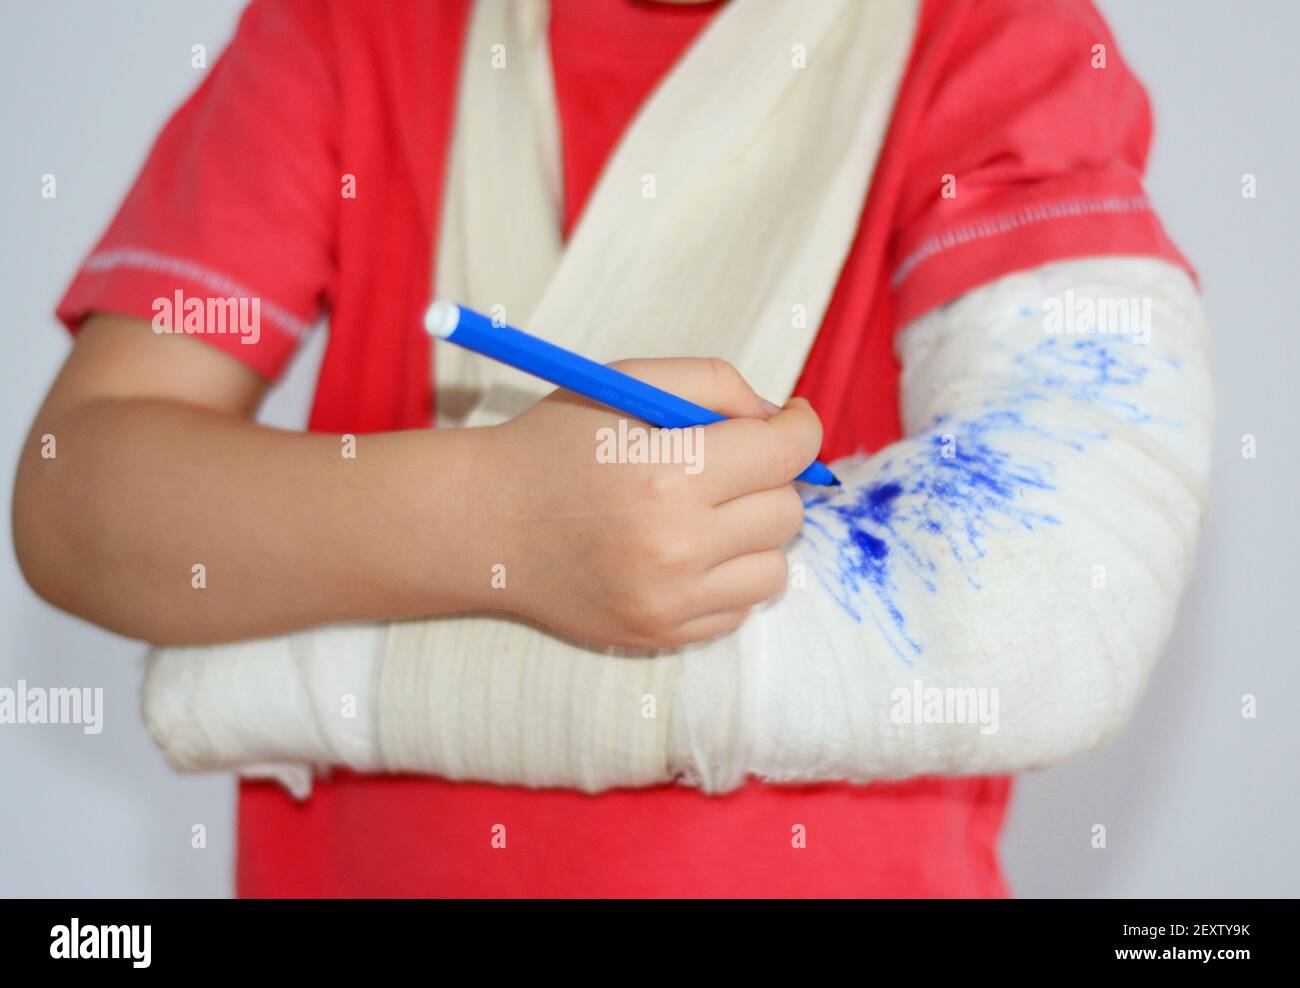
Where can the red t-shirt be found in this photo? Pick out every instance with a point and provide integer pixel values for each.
(241, 195)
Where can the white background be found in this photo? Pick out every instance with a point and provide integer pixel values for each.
(1196, 800)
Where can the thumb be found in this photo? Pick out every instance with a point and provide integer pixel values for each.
(800, 434)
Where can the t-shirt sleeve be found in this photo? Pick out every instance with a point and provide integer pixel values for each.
(237, 200)
(1030, 147)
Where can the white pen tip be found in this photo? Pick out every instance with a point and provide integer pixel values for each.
(442, 318)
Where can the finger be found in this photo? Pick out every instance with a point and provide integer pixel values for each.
(740, 583)
(754, 523)
(801, 430)
(706, 381)
(741, 456)
(710, 626)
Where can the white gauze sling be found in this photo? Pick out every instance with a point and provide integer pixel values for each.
(738, 138)
(732, 199)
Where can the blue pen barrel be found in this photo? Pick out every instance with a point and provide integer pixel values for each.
(552, 363)
(598, 382)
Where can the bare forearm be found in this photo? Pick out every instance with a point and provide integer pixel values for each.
(288, 531)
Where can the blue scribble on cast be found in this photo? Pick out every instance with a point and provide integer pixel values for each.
(959, 481)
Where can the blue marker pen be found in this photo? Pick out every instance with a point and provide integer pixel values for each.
(474, 331)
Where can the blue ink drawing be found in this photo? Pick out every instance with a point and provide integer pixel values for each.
(956, 483)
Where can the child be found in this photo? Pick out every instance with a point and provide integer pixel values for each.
(322, 165)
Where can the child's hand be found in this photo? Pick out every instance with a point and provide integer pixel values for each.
(639, 554)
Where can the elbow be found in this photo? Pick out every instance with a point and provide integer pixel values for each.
(1084, 657)
(1082, 732)
(36, 535)
(1095, 696)
(54, 547)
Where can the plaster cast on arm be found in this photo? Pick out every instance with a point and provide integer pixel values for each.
(989, 594)
(1024, 547)
(283, 708)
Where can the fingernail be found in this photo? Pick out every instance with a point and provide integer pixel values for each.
(769, 407)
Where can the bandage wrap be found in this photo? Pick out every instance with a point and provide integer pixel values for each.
(989, 594)
(986, 595)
